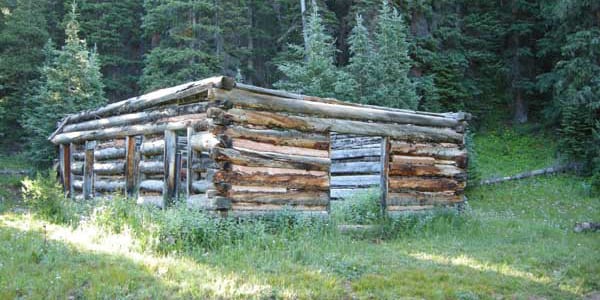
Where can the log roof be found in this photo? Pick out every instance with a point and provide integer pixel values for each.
(268, 99)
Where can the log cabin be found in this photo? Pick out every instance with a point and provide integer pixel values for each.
(220, 145)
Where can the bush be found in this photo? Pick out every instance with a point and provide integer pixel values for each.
(45, 196)
(360, 208)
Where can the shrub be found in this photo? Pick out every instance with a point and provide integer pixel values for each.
(360, 208)
(45, 196)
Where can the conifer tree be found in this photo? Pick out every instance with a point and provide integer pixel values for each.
(71, 82)
(313, 72)
(186, 44)
(394, 88)
(361, 62)
(21, 42)
(115, 27)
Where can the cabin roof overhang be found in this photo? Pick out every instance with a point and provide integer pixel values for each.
(225, 89)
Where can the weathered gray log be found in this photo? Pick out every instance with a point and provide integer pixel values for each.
(203, 202)
(101, 168)
(152, 185)
(293, 180)
(104, 154)
(355, 180)
(201, 186)
(355, 142)
(88, 170)
(340, 111)
(152, 147)
(255, 208)
(169, 190)
(265, 159)
(288, 198)
(353, 153)
(152, 167)
(348, 192)
(123, 131)
(355, 167)
(203, 141)
(189, 174)
(280, 137)
(243, 144)
(549, 170)
(458, 116)
(139, 117)
(153, 98)
(102, 185)
(385, 172)
(423, 198)
(72, 148)
(421, 184)
(312, 124)
(435, 170)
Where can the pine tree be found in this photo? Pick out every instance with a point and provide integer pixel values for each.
(313, 71)
(186, 44)
(361, 62)
(71, 82)
(115, 27)
(394, 88)
(21, 42)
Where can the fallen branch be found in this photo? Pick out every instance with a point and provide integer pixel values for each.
(545, 171)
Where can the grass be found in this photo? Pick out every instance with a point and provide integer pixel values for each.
(515, 241)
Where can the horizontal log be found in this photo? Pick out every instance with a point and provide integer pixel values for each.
(355, 167)
(111, 143)
(255, 189)
(103, 154)
(198, 121)
(267, 159)
(275, 171)
(102, 185)
(401, 184)
(280, 137)
(289, 198)
(408, 208)
(139, 117)
(247, 99)
(442, 151)
(203, 141)
(154, 98)
(422, 198)
(101, 168)
(109, 168)
(152, 167)
(207, 203)
(354, 153)
(438, 150)
(350, 192)
(201, 186)
(401, 169)
(201, 164)
(292, 181)
(312, 124)
(152, 185)
(460, 116)
(414, 160)
(355, 180)
(258, 208)
(243, 144)
(152, 147)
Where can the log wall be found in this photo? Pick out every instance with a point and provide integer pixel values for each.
(251, 150)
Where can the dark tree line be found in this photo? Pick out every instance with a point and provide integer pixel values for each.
(519, 61)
